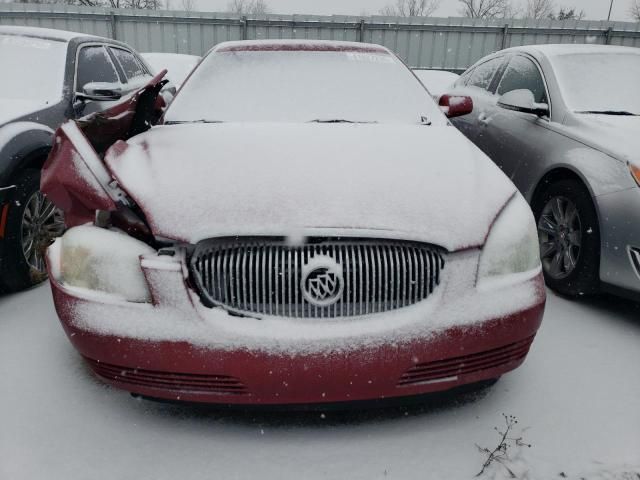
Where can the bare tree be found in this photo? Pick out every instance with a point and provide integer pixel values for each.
(250, 7)
(539, 8)
(569, 14)
(485, 8)
(634, 10)
(411, 8)
(144, 4)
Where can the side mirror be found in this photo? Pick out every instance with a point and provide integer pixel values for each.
(523, 101)
(100, 91)
(455, 105)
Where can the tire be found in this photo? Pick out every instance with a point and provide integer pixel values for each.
(18, 272)
(569, 236)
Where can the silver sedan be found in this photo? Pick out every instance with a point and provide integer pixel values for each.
(563, 122)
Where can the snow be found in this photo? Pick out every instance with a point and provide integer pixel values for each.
(46, 59)
(179, 66)
(436, 81)
(301, 86)
(301, 178)
(13, 108)
(50, 33)
(576, 398)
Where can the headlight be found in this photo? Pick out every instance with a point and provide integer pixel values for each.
(512, 246)
(101, 260)
(635, 172)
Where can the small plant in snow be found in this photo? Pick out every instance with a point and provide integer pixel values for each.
(500, 454)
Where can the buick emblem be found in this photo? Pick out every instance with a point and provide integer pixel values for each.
(322, 281)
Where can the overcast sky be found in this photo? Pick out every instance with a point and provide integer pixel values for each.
(595, 9)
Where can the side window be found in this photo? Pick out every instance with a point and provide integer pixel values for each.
(130, 65)
(94, 65)
(483, 74)
(522, 73)
(463, 78)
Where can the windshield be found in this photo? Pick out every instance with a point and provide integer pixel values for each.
(600, 82)
(303, 86)
(32, 69)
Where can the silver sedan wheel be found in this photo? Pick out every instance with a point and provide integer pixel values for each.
(42, 223)
(560, 234)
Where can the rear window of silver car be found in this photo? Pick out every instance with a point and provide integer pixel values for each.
(592, 82)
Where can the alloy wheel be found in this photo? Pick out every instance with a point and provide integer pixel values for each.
(560, 234)
(42, 223)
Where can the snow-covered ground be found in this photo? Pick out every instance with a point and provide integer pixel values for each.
(577, 399)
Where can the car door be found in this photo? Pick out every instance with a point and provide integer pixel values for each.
(93, 64)
(510, 138)
(477, 84)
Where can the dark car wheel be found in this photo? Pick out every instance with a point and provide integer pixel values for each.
(569, 238)
(33, 223)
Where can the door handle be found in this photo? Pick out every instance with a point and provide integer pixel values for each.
(483, 119)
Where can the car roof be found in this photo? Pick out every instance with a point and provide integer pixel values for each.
(48, 34)
(299, 45)
(554, 50)
(169, 55)
(45, 33)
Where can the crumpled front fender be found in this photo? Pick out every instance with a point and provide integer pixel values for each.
(74, 176)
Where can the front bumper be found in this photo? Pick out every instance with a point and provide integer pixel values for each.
(620, 236)
(177, 349)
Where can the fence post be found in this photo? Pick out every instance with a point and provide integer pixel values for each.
(607, 35)
(361, 31)
(114, 25)
(505, 33)
(245, 27)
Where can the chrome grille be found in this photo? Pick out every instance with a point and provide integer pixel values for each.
(264, 276)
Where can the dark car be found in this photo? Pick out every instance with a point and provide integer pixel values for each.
(48, 77)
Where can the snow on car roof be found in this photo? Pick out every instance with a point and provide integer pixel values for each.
(553, 50)
(46, 33)
(299, 45)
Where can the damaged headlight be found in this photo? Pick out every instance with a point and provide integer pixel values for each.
(101, 260)
(512, 245)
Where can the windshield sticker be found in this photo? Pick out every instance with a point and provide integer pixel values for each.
(369, 57)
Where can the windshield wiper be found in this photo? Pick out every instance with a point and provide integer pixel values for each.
(182, 122)
(337, 120)
(622, 113)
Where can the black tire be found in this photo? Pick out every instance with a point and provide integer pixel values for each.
(15, 271)
(584, 277)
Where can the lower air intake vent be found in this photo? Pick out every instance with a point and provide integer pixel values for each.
(450, 369)
(180, 382)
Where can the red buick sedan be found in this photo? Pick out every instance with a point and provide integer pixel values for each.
(301, 225)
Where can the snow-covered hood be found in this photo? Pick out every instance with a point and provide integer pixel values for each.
(13, 108)
(409, 182)
(618, 136)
